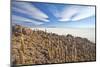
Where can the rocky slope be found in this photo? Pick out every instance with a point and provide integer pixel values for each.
(39, 47)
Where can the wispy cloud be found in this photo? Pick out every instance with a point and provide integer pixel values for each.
(52, 15)
(29, 9)
(75, 13)
(19, 19)
(68, 12)
(85, 13)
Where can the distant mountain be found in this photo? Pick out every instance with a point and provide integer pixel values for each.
(39, 47)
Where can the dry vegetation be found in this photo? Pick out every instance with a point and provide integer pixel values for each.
(39, 47)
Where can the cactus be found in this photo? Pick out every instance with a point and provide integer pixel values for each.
(40, 47)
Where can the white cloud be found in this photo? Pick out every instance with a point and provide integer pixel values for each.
(19, 19)
(68, 12)
(29, 9)
(81, 12)
(85, 13)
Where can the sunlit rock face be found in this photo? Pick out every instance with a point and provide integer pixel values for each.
(40, 47)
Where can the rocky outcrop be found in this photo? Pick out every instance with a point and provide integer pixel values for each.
(39, 47)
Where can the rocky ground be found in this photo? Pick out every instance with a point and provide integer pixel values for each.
(39, 47)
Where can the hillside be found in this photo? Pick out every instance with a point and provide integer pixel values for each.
(39, 47)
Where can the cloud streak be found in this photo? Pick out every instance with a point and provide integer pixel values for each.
(31, 10)
(52, 15)
(85, 13)
(19, 19)
(75, 13)
(68, 12)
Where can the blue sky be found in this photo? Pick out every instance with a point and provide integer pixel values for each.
(33, 14)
